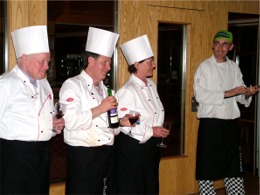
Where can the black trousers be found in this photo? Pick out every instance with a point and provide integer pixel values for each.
(87, 167)
(25, 167)
(136, 166)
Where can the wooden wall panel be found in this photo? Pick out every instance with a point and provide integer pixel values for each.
(21, 14)
(136, 12)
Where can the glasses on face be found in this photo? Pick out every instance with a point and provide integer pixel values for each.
(150, 62)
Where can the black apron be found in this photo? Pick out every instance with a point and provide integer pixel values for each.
(87, 167)
(218, 150)
(136, 166)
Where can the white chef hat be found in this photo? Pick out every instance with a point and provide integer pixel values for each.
(101, 41)
(137, 49)
(30, 40)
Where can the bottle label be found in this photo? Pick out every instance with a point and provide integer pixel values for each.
(114, 119)
(113, 116)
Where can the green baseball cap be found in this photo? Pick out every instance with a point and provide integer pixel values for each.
(224, 34)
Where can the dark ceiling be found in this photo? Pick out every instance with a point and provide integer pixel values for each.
(73, 16)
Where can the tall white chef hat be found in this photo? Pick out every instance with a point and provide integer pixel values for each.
(101, 41)
(137, 49)
(30, 40)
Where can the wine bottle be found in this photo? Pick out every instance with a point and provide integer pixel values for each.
(113, 119)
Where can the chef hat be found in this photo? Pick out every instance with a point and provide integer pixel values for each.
(101, 42)
(137, 49)
(30, 40)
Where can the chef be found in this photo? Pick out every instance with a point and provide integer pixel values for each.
(136, 154)
(87, 134)
(26, 116)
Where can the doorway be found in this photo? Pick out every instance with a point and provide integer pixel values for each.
(245, 29)
(171, 83)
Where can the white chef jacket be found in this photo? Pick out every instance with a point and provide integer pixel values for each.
(135, 95)
(25, 111)
(211, 80)
(80, 96)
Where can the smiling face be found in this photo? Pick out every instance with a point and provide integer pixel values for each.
(35, 65)
(220, 49)
(98, 68)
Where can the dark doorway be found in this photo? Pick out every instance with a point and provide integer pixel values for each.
(171, 82)
(245, 53)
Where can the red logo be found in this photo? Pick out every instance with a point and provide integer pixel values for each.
(69, 99)
(124, 109)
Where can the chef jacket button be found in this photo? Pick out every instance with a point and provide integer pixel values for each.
(93, 98)
(155, 113)
(24, 81)
(50, 112)
(32, 96)
(92, 93)
(41, 131)
(109, 139)
(99, 140)
(149, 100)
(96, 125)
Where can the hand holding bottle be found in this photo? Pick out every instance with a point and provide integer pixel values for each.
(108, 103)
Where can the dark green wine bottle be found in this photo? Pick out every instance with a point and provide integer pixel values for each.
(113, 119)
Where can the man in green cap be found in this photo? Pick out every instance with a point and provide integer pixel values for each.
(218, 86)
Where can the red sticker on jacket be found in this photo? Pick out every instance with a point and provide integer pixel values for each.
(124, 109)
(69, 99)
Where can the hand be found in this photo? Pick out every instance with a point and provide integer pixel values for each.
(159, 131)
(58, 125)
(252, 90)
(235, 91)
(108, 103)
(125, 121)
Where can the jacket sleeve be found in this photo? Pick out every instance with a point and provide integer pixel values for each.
(239, 82)
(4, 99)
(76, 118)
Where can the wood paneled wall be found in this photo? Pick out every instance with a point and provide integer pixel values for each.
(203, 20)
(135, 18)
(21, 14)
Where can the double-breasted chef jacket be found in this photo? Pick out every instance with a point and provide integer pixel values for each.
(80, 96)
(26, 111)
(137, 96)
